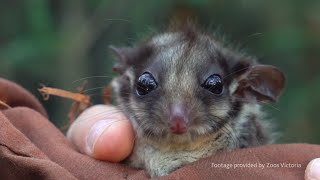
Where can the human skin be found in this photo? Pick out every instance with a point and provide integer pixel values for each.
(104, 133)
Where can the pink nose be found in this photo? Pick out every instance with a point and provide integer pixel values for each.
(179, 121)
(178, 125)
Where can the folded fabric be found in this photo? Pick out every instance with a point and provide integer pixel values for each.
(31, 147)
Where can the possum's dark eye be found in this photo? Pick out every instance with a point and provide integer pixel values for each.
(145, 84)
(213, 84)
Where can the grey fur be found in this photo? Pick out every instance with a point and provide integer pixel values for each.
(181, 61)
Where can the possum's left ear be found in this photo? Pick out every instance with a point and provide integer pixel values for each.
(261, 82)
(124, 56)
(130, 56)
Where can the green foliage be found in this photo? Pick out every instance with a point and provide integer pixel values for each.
(56, 42)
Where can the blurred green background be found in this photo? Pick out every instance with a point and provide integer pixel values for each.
(56, 42)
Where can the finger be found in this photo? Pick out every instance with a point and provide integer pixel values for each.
(102, 132)
(313, 170)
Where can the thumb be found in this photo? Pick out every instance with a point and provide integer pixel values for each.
(313, 170)
(103, 133)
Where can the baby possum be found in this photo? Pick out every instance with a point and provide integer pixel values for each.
(189, 97)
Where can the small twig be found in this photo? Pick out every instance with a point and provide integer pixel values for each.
(78, 107)
(5, 105)
(47, 91)
(81, 101)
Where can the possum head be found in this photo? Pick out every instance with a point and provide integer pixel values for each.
(183, 84)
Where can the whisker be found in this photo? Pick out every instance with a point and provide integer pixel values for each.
(100, 113)
(255, 34)
(118, 19)
(245, 41)
(232, 73)
(90, 77)
(259, 102)
(101, 87)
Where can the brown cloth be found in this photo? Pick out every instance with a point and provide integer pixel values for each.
(31, 147)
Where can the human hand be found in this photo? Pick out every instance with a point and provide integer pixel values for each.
(313, 170)
(103, 133)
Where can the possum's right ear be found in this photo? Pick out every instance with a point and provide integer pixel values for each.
(261, 82)
(123, 56)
